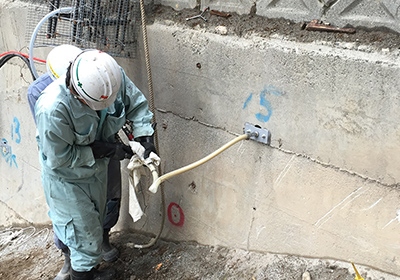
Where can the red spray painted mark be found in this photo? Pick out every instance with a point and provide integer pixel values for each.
(175, 214)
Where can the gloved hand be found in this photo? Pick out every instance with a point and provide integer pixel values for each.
(117, 151)
(148, 143)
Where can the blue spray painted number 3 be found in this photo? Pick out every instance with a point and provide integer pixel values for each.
(6, 150)
(16, 131)
(264, 102)
(7, 153)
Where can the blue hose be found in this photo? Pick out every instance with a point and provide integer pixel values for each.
(35, 32)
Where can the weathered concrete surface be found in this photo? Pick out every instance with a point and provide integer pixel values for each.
(180, 4)
(297, 11)
(21, 196)
(370, 14)
(328, 186)
(319, 101)
(237, 6)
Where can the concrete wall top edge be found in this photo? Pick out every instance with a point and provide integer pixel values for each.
(327, 44)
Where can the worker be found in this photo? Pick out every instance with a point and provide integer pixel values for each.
(78, 117)
(57, 63)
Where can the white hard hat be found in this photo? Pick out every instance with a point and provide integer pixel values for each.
(96, 77)
(59, 58)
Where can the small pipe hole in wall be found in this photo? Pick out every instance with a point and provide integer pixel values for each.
(193, 187)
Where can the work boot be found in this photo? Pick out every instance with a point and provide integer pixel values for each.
(84, 275)
(94, 274)
(106, 274)
(63, 274)
(108, 252)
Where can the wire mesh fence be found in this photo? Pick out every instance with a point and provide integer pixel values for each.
(111, 26)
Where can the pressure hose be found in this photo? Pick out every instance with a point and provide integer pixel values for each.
(153, 188)
(5, 57)
(159, 180)
(35, 32)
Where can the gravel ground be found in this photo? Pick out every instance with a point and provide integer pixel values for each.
(28, 253)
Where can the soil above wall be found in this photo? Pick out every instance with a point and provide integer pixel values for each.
(245, 25)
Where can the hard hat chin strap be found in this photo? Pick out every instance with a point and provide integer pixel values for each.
(76, 95)
(68, 76)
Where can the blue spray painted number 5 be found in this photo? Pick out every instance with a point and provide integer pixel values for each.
(264, 102)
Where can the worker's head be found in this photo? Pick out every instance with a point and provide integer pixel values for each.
(96, 78)
(59, 58)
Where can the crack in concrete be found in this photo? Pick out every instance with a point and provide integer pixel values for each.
(16, 214)
(324, 164)
(23, 67)
(249, 233)
(193, 118)
(339, 169)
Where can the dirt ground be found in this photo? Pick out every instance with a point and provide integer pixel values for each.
(245, 25)
(28, 253)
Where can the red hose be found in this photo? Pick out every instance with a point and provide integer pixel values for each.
(27, 56)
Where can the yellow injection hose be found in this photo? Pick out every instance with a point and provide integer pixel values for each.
(153, 188)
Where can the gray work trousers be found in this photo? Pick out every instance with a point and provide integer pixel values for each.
(113, 199)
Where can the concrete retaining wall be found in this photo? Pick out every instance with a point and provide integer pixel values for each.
(327, 187)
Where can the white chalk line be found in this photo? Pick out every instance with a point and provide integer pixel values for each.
(392, 220)
(284, 171)
(373, 205)
(356, 196)
(259, 230)
(337, 205)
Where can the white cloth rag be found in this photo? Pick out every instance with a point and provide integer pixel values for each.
(136, 167)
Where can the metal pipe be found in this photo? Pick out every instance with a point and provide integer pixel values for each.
(91, 19)
(81, 16)
(54, 20)
(97, 18)
(49, 26)
(119, 15)
(124, 23)
(75, 20)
